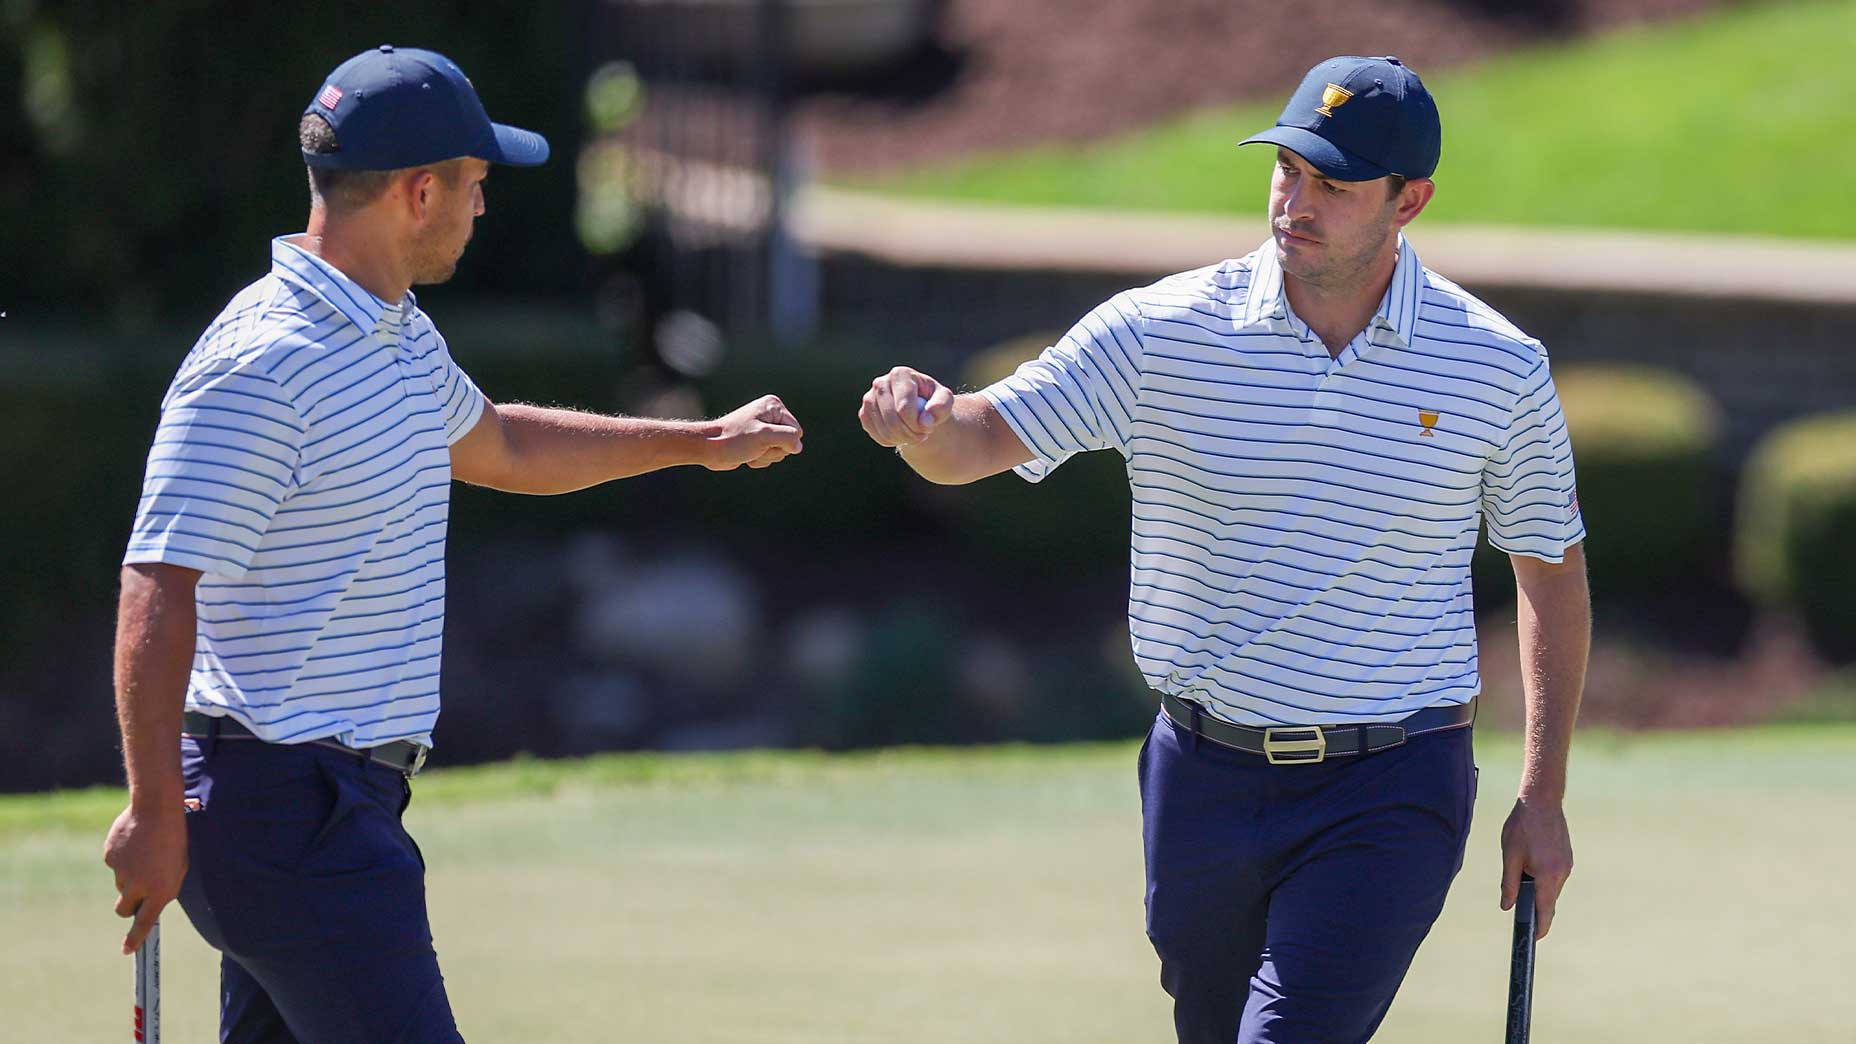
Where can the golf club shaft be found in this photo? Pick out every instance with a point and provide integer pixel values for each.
(1521, 965)
(148, 988)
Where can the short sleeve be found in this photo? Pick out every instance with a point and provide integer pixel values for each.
(1529, 491)
(224, 459)
(1080, 393)
(461, 400)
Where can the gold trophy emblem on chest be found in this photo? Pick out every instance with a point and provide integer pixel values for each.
(1428, 418)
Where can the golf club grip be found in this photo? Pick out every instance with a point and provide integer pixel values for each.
(1521, 965)
(148, 988)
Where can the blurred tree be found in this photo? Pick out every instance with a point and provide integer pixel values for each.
(148, 151)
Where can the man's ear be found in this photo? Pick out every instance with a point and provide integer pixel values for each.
(1412, 199)
(420, 188)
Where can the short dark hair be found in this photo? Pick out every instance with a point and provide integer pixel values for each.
(337, 189)
(1395, 184)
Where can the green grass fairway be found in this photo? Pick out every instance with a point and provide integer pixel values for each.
(995, 895)
(1732, 122)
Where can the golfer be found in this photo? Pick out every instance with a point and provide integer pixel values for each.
(283, 594)
(1313, 434)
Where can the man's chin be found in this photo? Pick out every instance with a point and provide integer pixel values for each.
(436, 276)
(1296, 263)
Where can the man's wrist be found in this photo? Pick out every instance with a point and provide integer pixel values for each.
(708, 439)
(157, 798)
(903, 447)
(1542, 793)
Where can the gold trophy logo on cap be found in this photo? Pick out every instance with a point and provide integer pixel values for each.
(1333, 96)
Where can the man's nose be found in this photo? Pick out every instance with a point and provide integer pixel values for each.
(1297, 201)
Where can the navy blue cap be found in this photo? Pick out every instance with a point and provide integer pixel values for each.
(1357, 119)
(397, 107)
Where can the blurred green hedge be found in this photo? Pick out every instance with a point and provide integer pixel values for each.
(148, 151)
(1646, 445)
(80, 413)
(1797, 510)
(842, 488)
(1076, 520)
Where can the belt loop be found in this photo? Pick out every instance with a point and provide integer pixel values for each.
(212, 736)
(1196, 712)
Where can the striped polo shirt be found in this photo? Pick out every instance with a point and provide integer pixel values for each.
(302, 465)
(1303, 524)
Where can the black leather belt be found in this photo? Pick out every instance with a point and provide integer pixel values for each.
(402, 756)
(1311, 744)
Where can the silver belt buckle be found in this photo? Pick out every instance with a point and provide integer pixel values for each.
(1295, 745)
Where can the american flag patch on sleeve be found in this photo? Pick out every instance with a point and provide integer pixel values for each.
(330, 95)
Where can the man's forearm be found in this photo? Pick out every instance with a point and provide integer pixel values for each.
(1555, 625)
(155, 627)
(973, 443)
(559, 451)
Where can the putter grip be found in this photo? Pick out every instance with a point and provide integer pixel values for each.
(1521, 965)
(148, 988)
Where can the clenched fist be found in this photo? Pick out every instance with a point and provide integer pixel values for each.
(761, 433)
(904, 406)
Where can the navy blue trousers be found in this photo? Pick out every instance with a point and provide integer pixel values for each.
(1287, 901)
(301, 875)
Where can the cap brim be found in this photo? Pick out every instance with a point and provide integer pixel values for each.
(517, 147)
(1327, 157)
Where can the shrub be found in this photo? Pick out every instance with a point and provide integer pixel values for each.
(1797, 509)
(843, 488)
(1074, 521)
(1645, 443)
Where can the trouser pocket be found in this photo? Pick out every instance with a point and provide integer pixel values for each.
(342, 805)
